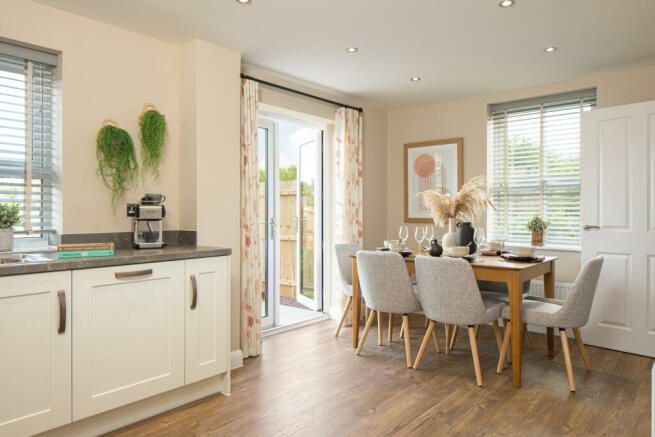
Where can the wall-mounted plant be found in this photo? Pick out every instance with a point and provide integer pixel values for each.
(117, 163)
(152, 132)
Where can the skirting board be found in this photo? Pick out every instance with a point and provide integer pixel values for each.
(236, 359)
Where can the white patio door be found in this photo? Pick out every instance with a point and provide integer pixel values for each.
(618, 219)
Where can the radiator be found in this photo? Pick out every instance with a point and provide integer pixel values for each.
(561, 289)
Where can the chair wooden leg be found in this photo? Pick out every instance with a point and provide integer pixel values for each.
(499, 338)
(369, 323)
(343, 316)
(427, 322)
(567, 357)
(448, 329)
(504, 347)
(476, 356)
(578, 338)
(366, 313)
(379, 315)
(408, 347)
(390, 334)
(477, 331)
(529, 338)
(435, 337)
(509, 357)
(454, 337)
(402, 329)
(424, 344)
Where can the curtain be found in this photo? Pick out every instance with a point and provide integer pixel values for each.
(348, 182)
(251, 281)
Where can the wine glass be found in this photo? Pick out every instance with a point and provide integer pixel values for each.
(403, 233)
(419, 236)
(479, 238)
(429, 233)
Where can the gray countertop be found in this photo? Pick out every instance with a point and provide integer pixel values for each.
(121, 257)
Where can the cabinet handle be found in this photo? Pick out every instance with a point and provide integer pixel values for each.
(132, 274)
(194, 288)
(62, 311)
(590, 228)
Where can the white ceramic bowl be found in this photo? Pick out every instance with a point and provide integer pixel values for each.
(396, 247)
(524, 251)
(458, 251)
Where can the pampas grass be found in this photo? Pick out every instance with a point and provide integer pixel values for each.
(469, 203)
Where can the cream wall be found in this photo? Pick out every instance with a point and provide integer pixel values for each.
(467, 118)
(107, 73)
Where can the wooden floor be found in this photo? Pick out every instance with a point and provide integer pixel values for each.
(309, 383)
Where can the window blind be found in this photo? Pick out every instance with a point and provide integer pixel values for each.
(27, 158)
(534, 166)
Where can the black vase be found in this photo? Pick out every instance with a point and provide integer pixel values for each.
(466, 234)
(435, 249)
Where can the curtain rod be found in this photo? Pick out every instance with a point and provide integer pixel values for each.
(291, 90)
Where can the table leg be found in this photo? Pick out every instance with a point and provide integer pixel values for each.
(515, 298)
(356, 304)
(549, 292)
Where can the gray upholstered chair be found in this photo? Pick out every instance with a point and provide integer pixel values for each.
(387, 288)
(572, 313)
(448, 293)
(344, 251)
(498, 291)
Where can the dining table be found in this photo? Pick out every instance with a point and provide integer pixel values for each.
(495, 269)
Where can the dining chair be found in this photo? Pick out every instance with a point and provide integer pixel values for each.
(571, 313)
(448, 293)
(387, 288)
(498, 291)
(344, 251)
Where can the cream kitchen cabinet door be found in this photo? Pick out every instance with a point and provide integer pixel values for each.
(35, 353)
(128, 339)
(207, 317)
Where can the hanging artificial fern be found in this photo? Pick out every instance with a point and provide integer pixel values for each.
(117, 163)
(152, 131)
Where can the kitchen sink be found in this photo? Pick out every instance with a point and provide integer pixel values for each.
(27, 258)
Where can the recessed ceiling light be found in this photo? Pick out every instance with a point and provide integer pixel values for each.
(243, 2)
(352, 49)
(550, 49)
(415, 79)
(506, 3)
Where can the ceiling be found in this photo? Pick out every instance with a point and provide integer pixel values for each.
(458, 47)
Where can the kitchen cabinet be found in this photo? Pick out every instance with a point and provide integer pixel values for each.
(35, 352)
(128, 336)
(206, 318)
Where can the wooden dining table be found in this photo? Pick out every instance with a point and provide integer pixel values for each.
(496, 269)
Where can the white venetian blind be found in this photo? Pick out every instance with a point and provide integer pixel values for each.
(534, 166)
(27, 158)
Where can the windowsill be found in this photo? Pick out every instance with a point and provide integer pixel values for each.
(552, 248)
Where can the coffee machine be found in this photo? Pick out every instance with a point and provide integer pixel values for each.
(148, 216)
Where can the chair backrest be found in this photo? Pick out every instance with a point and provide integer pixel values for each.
(344, 252)
(448, 291)
(577, 305)
(385, 282)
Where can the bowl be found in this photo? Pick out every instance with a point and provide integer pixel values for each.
(524, 251)
(396, 247)
(458, 251)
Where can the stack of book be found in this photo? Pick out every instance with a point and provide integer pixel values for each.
(84, 250)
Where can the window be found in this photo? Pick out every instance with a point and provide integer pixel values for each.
(534, 166)
(28, 159)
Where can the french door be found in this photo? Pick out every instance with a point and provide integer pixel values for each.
(291, 219)
(618, 218)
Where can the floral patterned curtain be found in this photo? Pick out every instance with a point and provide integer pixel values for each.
(251, 281)
(348, 181)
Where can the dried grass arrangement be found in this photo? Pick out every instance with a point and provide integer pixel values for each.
(467, 205)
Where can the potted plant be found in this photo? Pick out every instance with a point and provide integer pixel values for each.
(538, 225)
(9, 217)
(467, 205)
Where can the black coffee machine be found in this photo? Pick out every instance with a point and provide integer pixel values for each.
(148, 221)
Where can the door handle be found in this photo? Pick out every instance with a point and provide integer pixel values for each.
(194, 289)
(132, 274)
(590, 228)
(61, 294)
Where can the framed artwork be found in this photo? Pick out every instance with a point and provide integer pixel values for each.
(431, 165)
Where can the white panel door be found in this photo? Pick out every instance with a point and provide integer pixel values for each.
(128, 340)
(618, 218)
(35, 353)
(207, 316)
